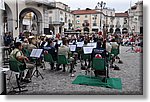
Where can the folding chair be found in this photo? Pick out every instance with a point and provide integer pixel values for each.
(48, 58)
(86, 57)
(100, 64)
(63, 60)
(115, 52)
(18, 68)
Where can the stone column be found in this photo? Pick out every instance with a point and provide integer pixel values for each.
(62, 30)
(56, 29)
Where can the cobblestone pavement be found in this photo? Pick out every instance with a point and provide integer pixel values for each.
(58, 82)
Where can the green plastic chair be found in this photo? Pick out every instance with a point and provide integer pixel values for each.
(100, 64)
(115, 52)
(86, 56)
(48, 58)
(62, 59)
(18, 68)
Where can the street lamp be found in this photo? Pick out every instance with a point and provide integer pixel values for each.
(100, 5)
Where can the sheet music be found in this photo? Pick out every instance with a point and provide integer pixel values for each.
(72, 47)
(36, 53)
(80, 44)
(70, 43)
(94, 45)
(87, 50)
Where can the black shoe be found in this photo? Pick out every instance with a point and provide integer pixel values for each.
(112, 66)
(120, 62)
(52, 68)
(64, 71)
(116, 68)
(83, 68)
(58, 69)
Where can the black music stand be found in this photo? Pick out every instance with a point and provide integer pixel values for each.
(36, 53)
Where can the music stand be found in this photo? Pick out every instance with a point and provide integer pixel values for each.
(72, 47)
(132, 48)
(36, 53)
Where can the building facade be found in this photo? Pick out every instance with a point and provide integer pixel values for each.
(121, 23)
(48, 15)
(95, 19)
(136, 18)
(60, 18)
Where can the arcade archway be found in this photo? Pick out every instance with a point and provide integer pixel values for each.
(117, 31)
(33, 19)
(124, 30)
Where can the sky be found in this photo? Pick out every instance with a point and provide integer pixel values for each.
(118, 5)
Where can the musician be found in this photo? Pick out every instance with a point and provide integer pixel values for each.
(51, 50)
(64, 50)
(18, 55)
(32, 44)
(25, 43)
(82, 55)
(42, 42)
(98, 52)
(115, 45)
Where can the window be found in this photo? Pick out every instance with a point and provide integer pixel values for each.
(77, 16)
(61, 12)
(94, 24)
(106, 12)
(65, 17)
(77, 21)
(61, 19)
(110, 13)
(50, 19)
(86, 16)
(50, 11)
(85, 21)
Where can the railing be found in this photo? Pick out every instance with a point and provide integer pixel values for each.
(56, 23)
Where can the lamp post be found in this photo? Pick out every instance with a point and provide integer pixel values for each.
(101, 6)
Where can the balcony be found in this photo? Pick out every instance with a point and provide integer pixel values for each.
(94, 24)
(56, 23)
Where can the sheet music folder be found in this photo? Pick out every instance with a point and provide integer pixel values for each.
(36, 53)
(87, 50)
(72, 47)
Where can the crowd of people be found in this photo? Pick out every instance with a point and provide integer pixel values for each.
(60, 46)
